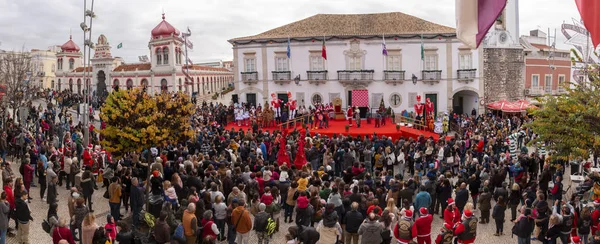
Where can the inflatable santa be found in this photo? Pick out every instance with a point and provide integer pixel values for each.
(276, 104)
(419, 106)
(292, 104)
(350, 113)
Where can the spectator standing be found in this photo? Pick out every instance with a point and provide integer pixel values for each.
(352, 222)
(62, 232)
(190, 224)
(242, 222)
(4, 215)
(261, 219)
(498, 215)
(23, 217)
(370, 230)
(88, 229)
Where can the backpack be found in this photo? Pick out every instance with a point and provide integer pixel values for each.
(270, 229)
(386, 235)
(179, 232)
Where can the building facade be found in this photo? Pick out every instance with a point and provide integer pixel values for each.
(423, 59)
(547, 69)
(166, 70)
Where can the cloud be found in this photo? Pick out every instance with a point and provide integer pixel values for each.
(40, 24)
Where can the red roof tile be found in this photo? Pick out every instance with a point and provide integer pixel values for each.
(206, 68)
(80, 69)
(133, 67)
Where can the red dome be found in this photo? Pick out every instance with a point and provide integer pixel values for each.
(164, 29)
(70, 46)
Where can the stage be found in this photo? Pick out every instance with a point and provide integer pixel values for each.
(339, 127)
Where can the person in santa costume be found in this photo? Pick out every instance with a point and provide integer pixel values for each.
(276, 104)
(87, 156)
(423, 225)
(596, 216)
(405, 230)
(446, 236)
(292, 104)
(451, 213)
(466, 231)
(349, 114)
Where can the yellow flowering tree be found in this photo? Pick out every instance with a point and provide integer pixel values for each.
(136, 121)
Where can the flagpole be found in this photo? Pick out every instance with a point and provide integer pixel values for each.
(290, 58)
(383, 55)
(187, 66)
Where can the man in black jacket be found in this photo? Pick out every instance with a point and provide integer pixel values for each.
(524, 225)
(137, 200)
(462, 196)
(304, 234)
(353, 220)
(23, 217)
(52, 192)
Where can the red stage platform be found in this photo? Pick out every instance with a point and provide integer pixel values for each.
(339, 127)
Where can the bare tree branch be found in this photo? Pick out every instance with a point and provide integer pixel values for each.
(15, 70)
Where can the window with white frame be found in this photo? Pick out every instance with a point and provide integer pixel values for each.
(548, 83)
(250, 63)
(316, 63)
(354, 63)
(281, 64)
(394, 62)
(431, 62)
(535, 81)
(465, 61)
(561, 82)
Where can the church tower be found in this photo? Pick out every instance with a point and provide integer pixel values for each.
(69, 57)
(165, 47)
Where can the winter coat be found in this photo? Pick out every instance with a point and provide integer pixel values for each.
(484, 201)
(370, 232)
(353, 220)
(330, 218)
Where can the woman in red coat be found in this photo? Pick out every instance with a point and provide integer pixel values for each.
(27, 174)
(61, 232)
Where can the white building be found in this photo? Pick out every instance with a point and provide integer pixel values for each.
(166, 70)
(449, 73)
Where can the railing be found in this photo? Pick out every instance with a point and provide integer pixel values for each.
(317, 75)
(350, 75)
(536, 91)
(293, 122)
(251, 76)
(431, 75)
(282, 75)
(393, 74)
(562, 90)
(416, 124)
(466, 74)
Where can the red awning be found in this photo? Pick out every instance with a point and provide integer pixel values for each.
(511, 107)
(498, 105)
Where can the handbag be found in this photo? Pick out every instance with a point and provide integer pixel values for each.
(106, 194)
(46, 226)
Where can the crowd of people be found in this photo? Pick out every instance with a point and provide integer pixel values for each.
(226, 185)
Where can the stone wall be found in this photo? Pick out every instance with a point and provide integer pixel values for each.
(504, 70)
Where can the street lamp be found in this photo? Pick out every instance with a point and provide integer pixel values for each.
(414, 79)
(88, 46)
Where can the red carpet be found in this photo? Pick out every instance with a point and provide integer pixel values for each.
(338, 127)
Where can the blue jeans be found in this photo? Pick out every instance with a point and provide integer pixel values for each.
(3, 236)
(521, 240)
(115, 210)
(231, 234)
(584, 238)
(135, 215)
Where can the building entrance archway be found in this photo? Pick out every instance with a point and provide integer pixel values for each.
(463, 102)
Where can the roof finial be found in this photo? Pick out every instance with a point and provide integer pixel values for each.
(163, 14)
(70, 34)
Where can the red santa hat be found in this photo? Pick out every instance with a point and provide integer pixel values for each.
(423, 211)
(408, 213)
(576, 240)
(597, 201)
(467, 214)
(90, 146)
(103, 151)
(450, 201)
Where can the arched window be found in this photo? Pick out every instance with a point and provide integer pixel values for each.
(180, 85)
(71, 64)
(59, 85)
(164, 85)
(71, 85)
(165, 55)
(52, 84)
(59, 62)
(115, 83)
(144, 83)
(158, 56)
(180, 56)
(78, 86)
(177, 55)
(129, 84)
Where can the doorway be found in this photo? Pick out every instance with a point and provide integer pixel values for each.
(250, 99)
(101, 87)
(433, 99)
(283, 97)
(464, 102)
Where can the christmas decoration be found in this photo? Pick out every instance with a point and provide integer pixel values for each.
(282, 155)
(300, 154)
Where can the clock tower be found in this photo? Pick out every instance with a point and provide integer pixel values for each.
(505, 32)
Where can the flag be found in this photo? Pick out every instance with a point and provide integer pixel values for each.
(422, 49)
(289, 50)
(120, 45)
(591, 19)
(474, 18)
(324, 50)
(189, 44)
(189, 61)
(384, 47)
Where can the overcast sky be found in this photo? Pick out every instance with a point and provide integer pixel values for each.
(43, 23)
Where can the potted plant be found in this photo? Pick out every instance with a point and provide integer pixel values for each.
(347, 128)
(397, 127)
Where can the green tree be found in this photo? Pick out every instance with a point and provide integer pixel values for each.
(136, 121)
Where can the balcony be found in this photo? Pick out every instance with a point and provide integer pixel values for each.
(534, 91)
(281, 77)
(393, 76)
(355, 77)
(466, 75)
(317, 77)
(431, 76)
(250, 77)
(562, 90)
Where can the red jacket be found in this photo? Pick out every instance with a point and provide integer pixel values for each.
(61, 233)
(10, 197)
(450, 217)
(595, 220)
(87, 158)
(460, 228)
(266, 199)
(207, 229)
(397, 233)
(372, 207)
(28, 170)
(423, 225)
